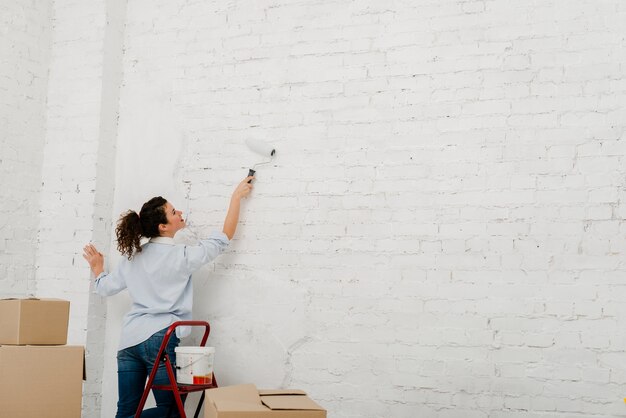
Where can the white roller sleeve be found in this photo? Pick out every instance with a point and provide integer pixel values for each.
(260, 147)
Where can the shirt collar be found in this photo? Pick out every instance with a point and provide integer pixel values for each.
(163, 240)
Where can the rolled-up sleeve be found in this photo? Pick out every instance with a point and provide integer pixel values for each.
(109, 284)
(206, 251)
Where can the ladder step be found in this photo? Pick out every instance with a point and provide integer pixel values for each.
(185, 388)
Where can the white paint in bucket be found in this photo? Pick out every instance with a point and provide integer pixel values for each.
(194, 365)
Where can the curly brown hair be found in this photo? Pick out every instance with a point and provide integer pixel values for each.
(132, 226)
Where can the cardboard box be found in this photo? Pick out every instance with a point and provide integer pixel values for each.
(41, 381)
(246, 401)
(34, 321)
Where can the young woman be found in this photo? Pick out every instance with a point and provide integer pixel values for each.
(157, 275)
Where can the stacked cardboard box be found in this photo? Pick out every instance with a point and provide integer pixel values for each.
(41, 376)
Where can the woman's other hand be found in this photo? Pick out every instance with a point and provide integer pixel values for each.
(94, 258)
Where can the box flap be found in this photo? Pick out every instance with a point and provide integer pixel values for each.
(293, 402)
(84, 363)
(225, 406)
(271, 392)
(247, 394)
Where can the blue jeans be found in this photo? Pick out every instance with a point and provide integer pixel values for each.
(134, 365)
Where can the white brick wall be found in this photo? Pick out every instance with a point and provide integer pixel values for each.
(79, 168)
(436, 209)
(440, 234)
(25, 46)
(71, 147)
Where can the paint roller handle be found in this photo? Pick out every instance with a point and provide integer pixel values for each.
(251, 174)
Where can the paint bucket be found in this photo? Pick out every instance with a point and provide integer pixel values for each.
(194, 365)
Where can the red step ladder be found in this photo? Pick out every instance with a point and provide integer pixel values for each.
(177, 388)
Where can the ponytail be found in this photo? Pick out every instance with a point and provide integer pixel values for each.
(129, 234)
(132, 226)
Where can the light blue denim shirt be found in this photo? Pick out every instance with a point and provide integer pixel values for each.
(158, 280)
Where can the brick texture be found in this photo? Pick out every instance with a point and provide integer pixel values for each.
(441, 233)
(25, 46)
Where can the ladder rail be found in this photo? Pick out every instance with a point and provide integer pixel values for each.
(173, 386)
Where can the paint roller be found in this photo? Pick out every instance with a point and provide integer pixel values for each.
(261, 148)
